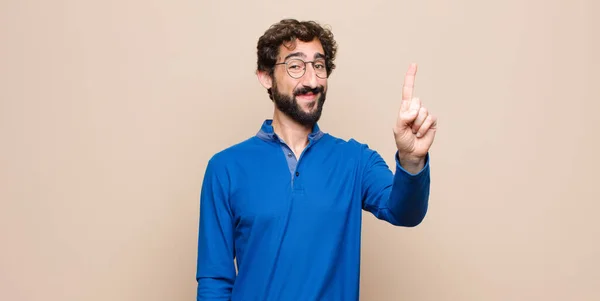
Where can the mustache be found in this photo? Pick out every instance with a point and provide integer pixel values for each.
(305, 90)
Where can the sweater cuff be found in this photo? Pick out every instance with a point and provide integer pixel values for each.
(399, 167)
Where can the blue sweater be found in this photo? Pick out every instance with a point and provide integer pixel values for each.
(294, 226)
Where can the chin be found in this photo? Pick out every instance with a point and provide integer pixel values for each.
(310, 109)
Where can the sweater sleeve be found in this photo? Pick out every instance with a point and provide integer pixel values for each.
(215, 266)
(400, 198)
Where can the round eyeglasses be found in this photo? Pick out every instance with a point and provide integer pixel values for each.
(296, 68)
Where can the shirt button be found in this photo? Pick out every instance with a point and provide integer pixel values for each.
(297, 174)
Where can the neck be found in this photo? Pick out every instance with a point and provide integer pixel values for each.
(294, 134)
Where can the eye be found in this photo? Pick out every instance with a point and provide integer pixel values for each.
(294, 65)
(319, 64)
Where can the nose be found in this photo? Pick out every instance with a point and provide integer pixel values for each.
(310, 76)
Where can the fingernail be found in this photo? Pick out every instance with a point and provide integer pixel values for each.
(419, 135)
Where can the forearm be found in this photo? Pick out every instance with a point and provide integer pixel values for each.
(409, 198)
(401, 198)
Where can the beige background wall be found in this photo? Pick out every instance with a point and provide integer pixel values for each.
(110, 109)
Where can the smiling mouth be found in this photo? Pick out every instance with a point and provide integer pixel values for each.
(307, 96)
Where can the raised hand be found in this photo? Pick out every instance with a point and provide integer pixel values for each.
(415, 128)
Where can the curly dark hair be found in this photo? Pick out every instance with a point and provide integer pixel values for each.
(286, 32)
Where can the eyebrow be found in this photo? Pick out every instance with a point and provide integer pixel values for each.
(319, 56)
(302, 55)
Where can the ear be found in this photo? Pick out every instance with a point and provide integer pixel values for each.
(264, 79)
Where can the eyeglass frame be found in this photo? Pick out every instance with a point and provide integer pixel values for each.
(304, 69)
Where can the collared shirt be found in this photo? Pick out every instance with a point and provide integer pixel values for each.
(293, 225)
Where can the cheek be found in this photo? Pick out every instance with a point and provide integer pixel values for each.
(286, 87)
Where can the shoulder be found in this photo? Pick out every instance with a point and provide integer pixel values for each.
(356, 153)
(349, 144)
(351, 150)
(226, 156)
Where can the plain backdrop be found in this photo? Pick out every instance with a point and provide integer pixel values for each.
(110, 110)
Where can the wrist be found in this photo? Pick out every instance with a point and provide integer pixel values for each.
(411, 163)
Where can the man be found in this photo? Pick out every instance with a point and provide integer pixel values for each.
(286, 203)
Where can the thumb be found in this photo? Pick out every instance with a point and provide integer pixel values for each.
(408, 114)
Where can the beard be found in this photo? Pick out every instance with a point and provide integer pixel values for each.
(290, 107)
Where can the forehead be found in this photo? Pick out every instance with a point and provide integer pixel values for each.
(300, 49)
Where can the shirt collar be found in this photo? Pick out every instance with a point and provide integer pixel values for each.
(267, 132)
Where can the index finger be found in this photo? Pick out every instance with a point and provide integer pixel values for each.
(409, 82)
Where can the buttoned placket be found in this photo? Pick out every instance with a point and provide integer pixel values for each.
(291, 159)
